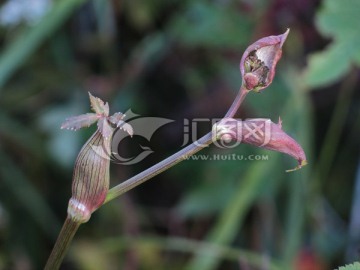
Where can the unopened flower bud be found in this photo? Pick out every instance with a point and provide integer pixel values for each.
(91, 172)
(258, 63)
(90, 179)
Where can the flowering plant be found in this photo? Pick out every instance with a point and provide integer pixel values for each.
(90, 188)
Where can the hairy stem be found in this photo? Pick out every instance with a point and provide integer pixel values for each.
(175, 158)
(62, 244)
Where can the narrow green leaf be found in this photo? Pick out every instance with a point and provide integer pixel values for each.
(18, 51)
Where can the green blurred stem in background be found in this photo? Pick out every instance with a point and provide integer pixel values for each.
(179, 244)
(18, 51)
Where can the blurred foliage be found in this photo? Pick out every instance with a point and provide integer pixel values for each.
(353, 266)
(336, 20)
(179, 60)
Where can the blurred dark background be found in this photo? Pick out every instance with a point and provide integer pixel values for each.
(176, 60)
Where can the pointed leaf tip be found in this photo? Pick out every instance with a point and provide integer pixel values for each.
(99, 106)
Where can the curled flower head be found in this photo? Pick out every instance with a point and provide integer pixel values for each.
(261, 133)
(258, 63)
(91, 171)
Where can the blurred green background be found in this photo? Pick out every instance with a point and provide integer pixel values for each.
(179, 59)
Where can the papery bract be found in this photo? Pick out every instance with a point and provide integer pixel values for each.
(80, 121)
(99, 106)
(117, 119)
(262, 133)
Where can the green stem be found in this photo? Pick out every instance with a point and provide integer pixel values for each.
(169, 162)
(336, 126)
(62, 244)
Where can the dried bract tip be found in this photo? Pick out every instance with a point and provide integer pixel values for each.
(99, 106)
(80, 121)
(117, 120)
(258, 63)
(101, 116)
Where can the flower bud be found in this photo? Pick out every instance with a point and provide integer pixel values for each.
(261, 133)
(90, 179)
(258, 63)
(91, 172)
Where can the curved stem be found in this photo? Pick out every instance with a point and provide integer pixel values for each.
(167, 163)
(63, 241)
(159, 167)
(237, 102)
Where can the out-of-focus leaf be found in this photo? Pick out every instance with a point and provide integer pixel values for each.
(211, 25)
(336, 20)
(230, 220)
(186, 245)
(62, 145)
(354, 266)
(206, 200)
(21, 48)
(21, 134)
(354, 223)
(87, 255)
(27, 196)
(299, 121)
